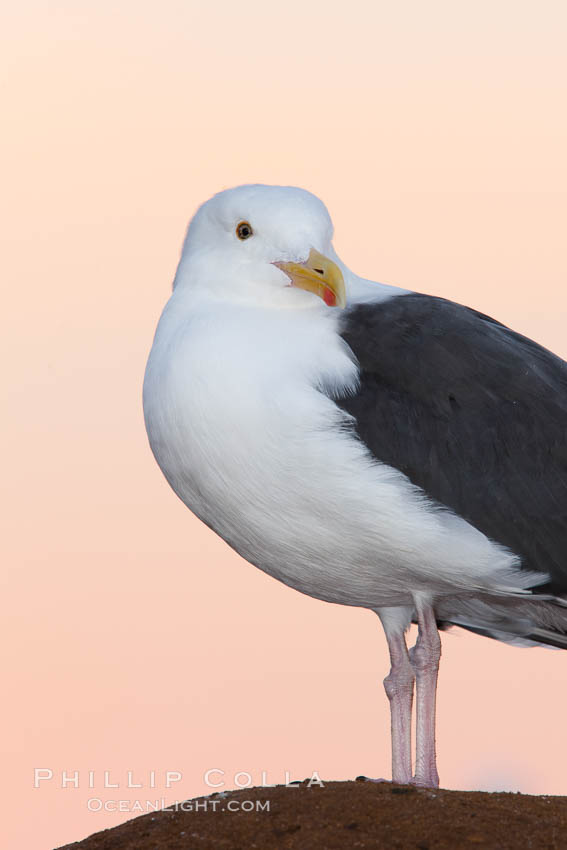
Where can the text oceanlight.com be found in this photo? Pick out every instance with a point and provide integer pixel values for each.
(96, 804)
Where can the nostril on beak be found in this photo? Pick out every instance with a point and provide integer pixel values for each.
(319, 271)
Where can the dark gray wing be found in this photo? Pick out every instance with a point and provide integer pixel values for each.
(473, 413)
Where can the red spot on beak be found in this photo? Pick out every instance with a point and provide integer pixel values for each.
(329, 298)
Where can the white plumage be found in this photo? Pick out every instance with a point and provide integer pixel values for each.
(240, 419)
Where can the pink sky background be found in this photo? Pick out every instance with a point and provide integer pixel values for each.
(133, 638)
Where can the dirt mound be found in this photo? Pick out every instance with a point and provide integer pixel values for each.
(343, 815)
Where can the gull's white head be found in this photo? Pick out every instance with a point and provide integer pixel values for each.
(266, 245)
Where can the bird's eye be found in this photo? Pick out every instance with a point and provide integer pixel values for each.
(244, 230)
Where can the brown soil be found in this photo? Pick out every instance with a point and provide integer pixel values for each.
(343, 815)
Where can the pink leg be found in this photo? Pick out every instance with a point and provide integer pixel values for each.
(425, 657)
(399, 686)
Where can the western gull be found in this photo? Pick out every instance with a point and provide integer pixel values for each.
(364, 444)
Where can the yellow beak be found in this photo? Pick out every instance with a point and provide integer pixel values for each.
(320, 275)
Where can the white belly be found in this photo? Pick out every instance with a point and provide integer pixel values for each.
(250, 443)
